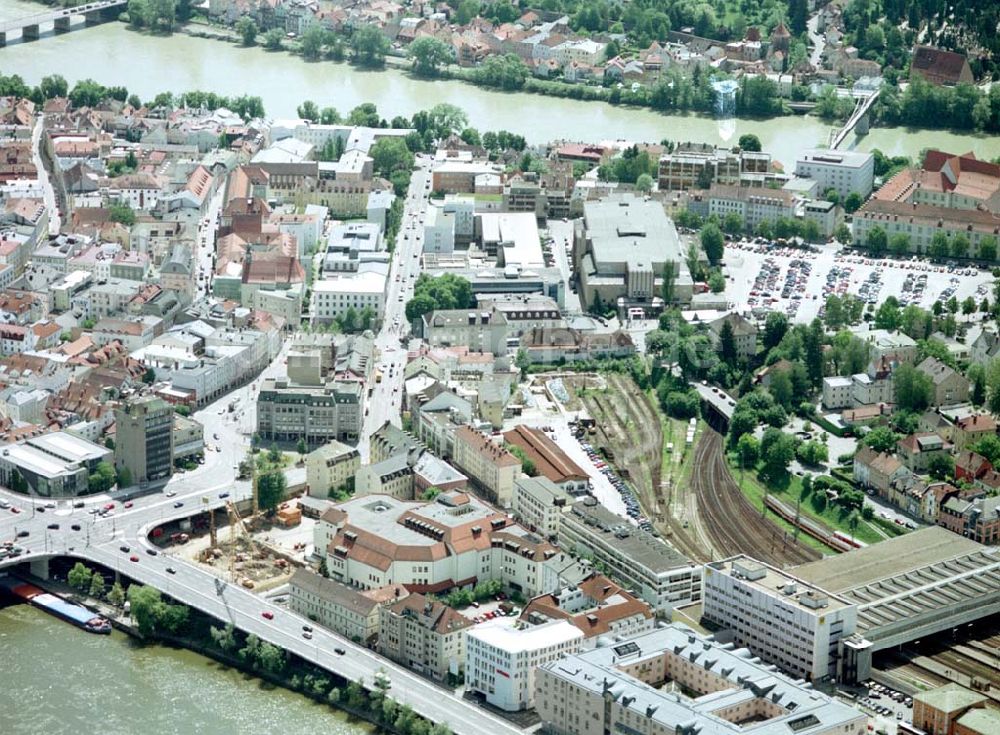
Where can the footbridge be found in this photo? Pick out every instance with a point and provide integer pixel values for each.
(29, 28)
(858, 121)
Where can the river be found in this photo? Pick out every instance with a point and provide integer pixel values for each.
(114, 55)
(61, 681)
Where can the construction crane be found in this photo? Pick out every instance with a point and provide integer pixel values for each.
(236, 525)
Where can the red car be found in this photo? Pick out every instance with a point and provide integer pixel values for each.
(109, 506)
(133, 558)
(14, 509)
(268, 615)
(128, 504)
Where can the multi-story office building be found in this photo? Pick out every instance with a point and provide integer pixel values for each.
(656, 572)
(425, 635)
(287, 412)
(788, 622)
(540, 504)
(843, 171)
(697, 165)
(144, 439)
(501, 661)
(672, 681)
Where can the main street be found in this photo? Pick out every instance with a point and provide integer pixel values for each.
(99, 539)
(384, 404)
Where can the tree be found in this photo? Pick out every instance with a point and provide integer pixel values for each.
(224, 638)
(853, 202)
(96, 586)
(914, 389)
(959, 246)
(79, 577)
(777, 449)
(270, 658)
(748, 449)
(116, 595)
(842, 234)
(877, 242)
(775, 328)
(248, 30)
(941, 466)
(390, 155)
(446, 119)
(301, 447)
(716, 281)
(273, 39)
(798, 14)
(644, 183)
(271, 489)
(369, 46)
(429, 54)
(121, 213)
(53, 85)
(308, 110)
(312, 41)
(881, 439)
(939, 245)
(727, 344)
(750, 142)
(988, 248)
(466, 11)
(712, 243)
(899, 244)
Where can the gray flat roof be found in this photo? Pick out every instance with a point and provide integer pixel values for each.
(885, 559)
(643, 548)
(599, 670)
(628, 231)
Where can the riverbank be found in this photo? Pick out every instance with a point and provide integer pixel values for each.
(366, 702)
(148, 65)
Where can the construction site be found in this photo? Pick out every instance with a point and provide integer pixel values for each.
(255, 550)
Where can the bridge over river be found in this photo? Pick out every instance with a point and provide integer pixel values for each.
(30, 27)
(98, 541)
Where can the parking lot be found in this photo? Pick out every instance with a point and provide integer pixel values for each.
(886, 706)
(764, 279)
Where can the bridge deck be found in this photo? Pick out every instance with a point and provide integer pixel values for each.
(51, 16)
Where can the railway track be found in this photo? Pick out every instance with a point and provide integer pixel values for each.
(734, 526)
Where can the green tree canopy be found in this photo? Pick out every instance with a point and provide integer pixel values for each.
(429, 54)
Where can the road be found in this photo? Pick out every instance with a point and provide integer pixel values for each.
(99, 540)
(49, 194)
(384, 403)
(817, 39)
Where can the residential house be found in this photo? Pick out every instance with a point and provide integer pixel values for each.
(950, 386)
(916, 450)
(970, 466)
(487, 463)
(974, 518)
(877, 470)
(939, 66)
(425, 635)
(970, 429)
(744, 333)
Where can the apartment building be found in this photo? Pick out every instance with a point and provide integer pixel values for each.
(332, 466)
(843, 171)
(287, 412)
(487, 463)
(693, 165)
(752, 205)
(671, 681)
(641, 562)
(501, 661)
(540, 504)
(424, 635)
(332, 297)
(350, 612)
(784, 620)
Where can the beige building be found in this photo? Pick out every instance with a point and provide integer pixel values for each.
(332, 466)
(540, 504)
(487, 463)
(287, 412)
(425, 635)
(352, 613)
(671, 681)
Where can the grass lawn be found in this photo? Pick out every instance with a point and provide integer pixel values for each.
(832, 515)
